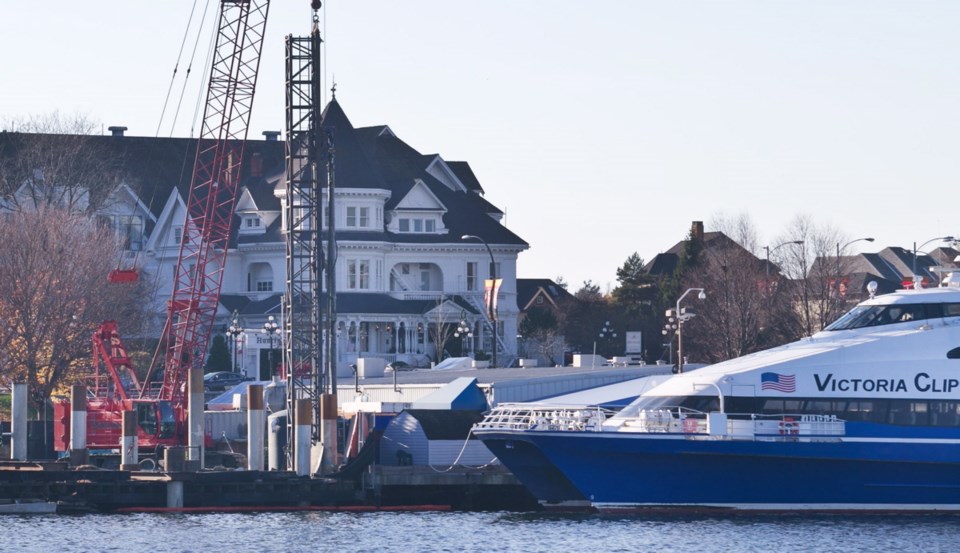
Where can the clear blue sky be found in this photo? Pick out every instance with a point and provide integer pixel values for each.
(601, 128)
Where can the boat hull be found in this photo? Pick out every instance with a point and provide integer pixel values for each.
(618, 471)
(541, 478)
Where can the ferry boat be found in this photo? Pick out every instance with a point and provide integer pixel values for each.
(864, 415)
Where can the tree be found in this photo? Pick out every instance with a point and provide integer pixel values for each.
(636, 299)
(54, 161)
(219, 357)
(540, 329)
(582, 318)
(53, 294)
(814, 295)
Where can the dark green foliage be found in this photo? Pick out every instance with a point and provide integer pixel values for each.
(219, 357)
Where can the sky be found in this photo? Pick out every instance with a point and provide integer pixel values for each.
(601, 128)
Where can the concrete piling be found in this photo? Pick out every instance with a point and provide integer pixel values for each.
(18, 405)
(129, 448)
(256, 424)
(328, 431)
(195, 418)
(78, 426)
(304, 419)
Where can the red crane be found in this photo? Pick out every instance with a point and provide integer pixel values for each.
(160, 401)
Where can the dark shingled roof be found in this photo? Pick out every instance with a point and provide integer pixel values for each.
(527, 289)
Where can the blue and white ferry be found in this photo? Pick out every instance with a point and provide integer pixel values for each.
(864, 415)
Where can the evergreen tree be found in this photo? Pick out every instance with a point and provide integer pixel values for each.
(219, 356)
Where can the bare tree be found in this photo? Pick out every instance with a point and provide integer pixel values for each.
(442, 328)
(54, 161)
(815, 270)
(729, 322)
(53, 294)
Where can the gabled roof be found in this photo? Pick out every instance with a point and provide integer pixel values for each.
(153, 167)
(666, 263)
(529, 288)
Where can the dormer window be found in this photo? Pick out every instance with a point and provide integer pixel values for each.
(251, 223)
(417, 225)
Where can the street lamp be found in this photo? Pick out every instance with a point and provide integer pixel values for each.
(669, 331)
(235, 330)
(775, 248)
(270, 328)
(681, 318)
(917, 281)
(492, 304)
(869, 239)
(462, 332)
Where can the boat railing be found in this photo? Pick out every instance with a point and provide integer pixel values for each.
(544, 418)
(735, 426)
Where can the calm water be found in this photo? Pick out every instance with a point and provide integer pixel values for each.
(467, 532)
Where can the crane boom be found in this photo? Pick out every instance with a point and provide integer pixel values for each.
(213, 190)
(160, 410)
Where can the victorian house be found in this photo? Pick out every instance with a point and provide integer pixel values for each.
(410, 286)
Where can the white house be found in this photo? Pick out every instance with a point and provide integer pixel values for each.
(404, 274)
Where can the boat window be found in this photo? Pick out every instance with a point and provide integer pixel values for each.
(877, 315)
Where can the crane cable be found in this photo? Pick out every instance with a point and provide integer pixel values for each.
(176, 66)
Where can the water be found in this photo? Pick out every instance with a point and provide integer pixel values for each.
(478, 532)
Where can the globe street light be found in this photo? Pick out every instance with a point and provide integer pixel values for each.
(917, 281)
(669, 331)
(492, 304)
(271, 328)
(235, 330)
(870, 239)
(773, 249)
(682, 318)
(462, 332)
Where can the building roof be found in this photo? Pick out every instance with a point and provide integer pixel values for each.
(529, 288)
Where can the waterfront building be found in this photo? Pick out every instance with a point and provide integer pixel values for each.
(406, 278)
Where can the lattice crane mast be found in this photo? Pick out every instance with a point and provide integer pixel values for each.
(193, 305)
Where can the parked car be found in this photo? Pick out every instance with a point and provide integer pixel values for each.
(222, 380)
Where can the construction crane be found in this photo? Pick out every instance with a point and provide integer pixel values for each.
(159, 400)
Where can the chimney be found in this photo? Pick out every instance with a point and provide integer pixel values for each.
(256, 165)
(271, 136)
(696, 231)
(116, 131)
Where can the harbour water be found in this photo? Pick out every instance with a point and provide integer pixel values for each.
(480, 532)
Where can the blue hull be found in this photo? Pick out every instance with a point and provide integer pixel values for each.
(617, 470)
(538, 474)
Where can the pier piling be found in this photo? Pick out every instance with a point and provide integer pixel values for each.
(78, 426)
(18, 407)
(256, 424)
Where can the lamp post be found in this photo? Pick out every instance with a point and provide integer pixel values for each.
(606, 333)
(917, 281)
(235, 330)
(681, 318)
(869, 239)
(462, 332)
(775, 248)
(669, 331)
(492, 304)
(270, 328)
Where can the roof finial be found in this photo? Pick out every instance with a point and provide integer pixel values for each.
(333, 89)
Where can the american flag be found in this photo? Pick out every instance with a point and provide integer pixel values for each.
(786, 383)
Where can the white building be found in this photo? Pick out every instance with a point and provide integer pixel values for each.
(404, 275)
